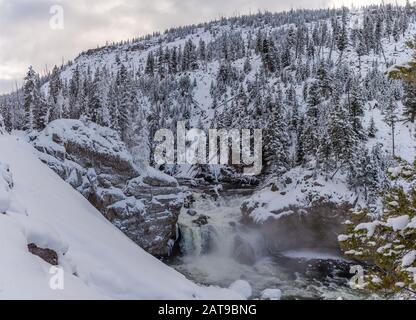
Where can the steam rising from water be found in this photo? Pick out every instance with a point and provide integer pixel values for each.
(211, 256)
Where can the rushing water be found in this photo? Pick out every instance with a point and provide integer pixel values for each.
(224, 250)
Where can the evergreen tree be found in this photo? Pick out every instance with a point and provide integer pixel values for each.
(33, 101)
(276, 152)
(372, 129)
(310, 136)
(150, 64)
(356, 107)
(94, 99)
(342, 35)
(341, 133)
(391, 118)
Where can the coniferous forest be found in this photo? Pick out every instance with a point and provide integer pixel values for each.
(334, 93)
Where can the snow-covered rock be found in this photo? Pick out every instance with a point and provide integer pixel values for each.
(297, 210)
(97, 260)
(271, 294)
(144, 203)
(242, 287)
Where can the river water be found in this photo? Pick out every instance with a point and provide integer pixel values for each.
(224, 250)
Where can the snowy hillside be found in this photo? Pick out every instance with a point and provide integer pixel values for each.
(37, 207)
(333, 91)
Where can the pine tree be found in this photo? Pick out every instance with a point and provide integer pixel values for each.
(372, 129)
(342, 36)
(408, 76)
(75, 94)
(150, 64)
(33, 101)
(310, 136)
(391, 118)
(94, 99)
(56, 98)
(409, 99)
(356, 107)
(276, 146)
(324, 81)
(341, 133)
(247, 66)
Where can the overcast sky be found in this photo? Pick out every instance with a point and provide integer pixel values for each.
(26, 37)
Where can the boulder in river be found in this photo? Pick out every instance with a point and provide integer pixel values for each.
(243, 251)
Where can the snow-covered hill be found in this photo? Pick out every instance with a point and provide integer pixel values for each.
(317, 82)
(99, 262)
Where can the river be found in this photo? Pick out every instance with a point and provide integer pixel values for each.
(217, 249)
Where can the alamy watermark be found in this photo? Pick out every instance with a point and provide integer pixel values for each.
(56, 21)
(57, 278)
(220, 147)
(357, 281)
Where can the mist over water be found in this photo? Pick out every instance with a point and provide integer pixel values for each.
(224, 250)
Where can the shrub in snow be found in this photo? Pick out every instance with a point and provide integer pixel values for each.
(388, 242)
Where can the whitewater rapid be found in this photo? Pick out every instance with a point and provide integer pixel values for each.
(224, 250)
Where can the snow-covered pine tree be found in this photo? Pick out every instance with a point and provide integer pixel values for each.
(150, 64)
(391, 118)
(342, 136)
(372, 129)
(33, 101)
(310, 136)
(356, 106)
(276, 145)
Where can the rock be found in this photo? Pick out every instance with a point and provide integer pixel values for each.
(274, 188)
(47, 255)
(317, 225)
(288, 180)
(201, 221)
(242, 287)
(144, 204)
(157, 182)
(307, 177)
(232, 224)
(192, 213)
(271, 294)
(56, 138)
(208, 239)
(243, 252)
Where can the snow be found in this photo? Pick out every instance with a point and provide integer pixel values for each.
(302, 190)
(398, 223)
(369, 226)
(98, 261)
(310, 254)
(271, 294)
(343, 237)
(242, 287)
(409, 259)
(91, 137)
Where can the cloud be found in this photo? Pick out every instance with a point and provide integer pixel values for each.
(27, 39)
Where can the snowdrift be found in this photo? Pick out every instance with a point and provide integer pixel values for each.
(99, 262)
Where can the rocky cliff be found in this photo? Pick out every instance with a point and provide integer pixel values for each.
(141, 202)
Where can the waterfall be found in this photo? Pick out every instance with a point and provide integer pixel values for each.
(218, 250)
(222, 236)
